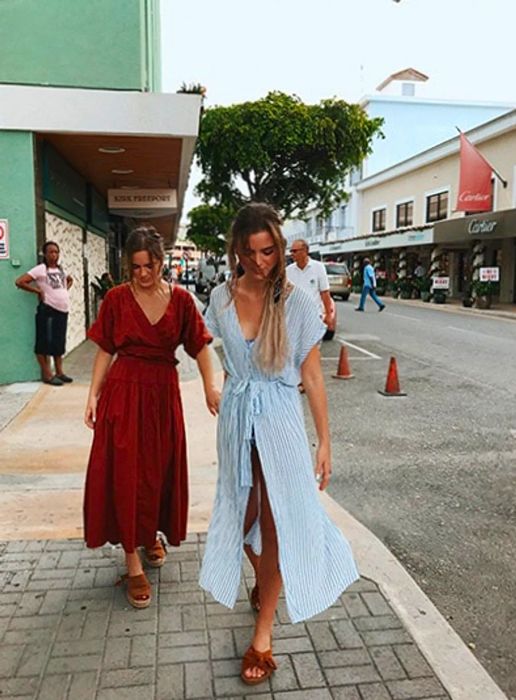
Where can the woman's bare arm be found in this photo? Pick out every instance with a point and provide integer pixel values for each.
(211, 392)
(100, 367)
(313, 382)
(28, 284)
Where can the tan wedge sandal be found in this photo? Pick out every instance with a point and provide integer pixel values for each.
(138, 590)
(157, 554)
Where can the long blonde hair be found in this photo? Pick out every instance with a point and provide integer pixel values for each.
(272, 345)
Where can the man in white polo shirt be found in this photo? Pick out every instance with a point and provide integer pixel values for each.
(310, 275)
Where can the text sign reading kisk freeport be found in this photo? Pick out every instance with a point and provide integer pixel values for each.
(489, 274)
(4, 239)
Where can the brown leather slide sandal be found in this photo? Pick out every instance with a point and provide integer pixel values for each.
(262, 660)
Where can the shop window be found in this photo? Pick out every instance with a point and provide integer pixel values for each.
(379, 217)
(437, 207)
(405, 214)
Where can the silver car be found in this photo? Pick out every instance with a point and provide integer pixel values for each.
(339, 279)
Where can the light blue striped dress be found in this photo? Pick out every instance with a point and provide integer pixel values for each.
(315, 560)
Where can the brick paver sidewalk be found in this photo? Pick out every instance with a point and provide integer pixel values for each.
(67, 632)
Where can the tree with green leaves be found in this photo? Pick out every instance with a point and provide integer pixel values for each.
(208, 226)
(281, 151)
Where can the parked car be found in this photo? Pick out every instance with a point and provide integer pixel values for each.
(331, 322)
(339, 279)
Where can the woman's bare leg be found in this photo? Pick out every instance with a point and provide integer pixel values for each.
(269, 576)
(133, 563)
(250, 518)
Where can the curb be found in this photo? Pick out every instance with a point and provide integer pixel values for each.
(454, 664)
(451, 308)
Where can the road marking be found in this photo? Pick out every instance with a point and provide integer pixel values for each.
(352, 357)
(356, 347)
(362, 336)
(406, 318)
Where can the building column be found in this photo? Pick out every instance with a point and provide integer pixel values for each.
(402, 264)
(435, 261)
(479, 259)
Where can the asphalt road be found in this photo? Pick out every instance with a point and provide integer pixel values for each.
(433, 474)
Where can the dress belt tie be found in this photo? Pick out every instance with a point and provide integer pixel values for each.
(251, 406)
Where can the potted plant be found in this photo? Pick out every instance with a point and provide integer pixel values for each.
(425, 288)
(439, 296)
(467, 298)
(381, 286)
(484, 292)
(103, 284)
(394, 288)
(405, 288)
(356, 284)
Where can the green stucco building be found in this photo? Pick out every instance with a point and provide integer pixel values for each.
(81, 116)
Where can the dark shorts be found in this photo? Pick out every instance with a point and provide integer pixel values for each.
(50, 331)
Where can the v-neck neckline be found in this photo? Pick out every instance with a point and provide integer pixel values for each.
(239, 326)
(249, 341)
(152, 325)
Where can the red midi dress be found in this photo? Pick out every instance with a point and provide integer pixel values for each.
(137, 480)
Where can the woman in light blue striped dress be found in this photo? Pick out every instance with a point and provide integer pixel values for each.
(266, 488)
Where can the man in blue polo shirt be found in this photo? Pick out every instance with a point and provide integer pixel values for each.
(369, 286)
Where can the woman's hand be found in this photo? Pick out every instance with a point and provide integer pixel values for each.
(212, 395)
(323, 466)
(90, 414)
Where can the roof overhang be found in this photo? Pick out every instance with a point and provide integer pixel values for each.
(115, 139)
(401, 238)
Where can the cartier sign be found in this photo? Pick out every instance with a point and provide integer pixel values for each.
(477, 226)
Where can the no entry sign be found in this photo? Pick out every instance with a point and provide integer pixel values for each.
(4, 239)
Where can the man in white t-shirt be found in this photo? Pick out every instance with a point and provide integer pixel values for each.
(310, 275)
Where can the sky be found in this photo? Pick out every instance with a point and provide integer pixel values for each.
(241, 50)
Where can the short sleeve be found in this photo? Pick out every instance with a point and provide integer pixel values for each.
(311, 329)
(37, 272)
(103, 329)
(194, 334)
(218, 299)
(324, 284)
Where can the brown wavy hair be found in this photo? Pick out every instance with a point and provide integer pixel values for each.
(147, 238)
(272, 344)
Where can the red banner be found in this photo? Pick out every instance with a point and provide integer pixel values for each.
(475, 188)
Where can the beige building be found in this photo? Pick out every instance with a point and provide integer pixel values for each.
(407, 214)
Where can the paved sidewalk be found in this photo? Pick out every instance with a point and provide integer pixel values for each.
(67, 633)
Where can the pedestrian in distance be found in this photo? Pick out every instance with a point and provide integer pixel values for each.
(50, 282)
(311, 276)
(137, 481)
(419, 270)
(267, 502)
(369, 287)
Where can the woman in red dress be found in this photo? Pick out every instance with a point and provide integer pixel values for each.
(137, 482)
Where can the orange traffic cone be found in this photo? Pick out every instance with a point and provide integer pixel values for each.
(392, 385)
(343, 371)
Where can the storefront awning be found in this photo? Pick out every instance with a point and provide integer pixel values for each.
(381, 241)
(113, 139)
(495, 224)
